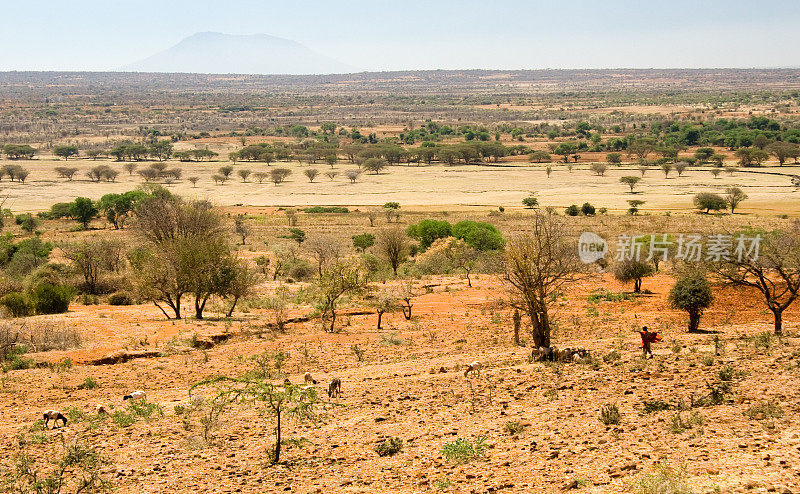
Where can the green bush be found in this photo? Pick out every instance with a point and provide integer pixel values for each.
(428, 231)
(572, 210)
(120, 298)
(17, 304)
(51, 299)
(479, 235)
(462, 450)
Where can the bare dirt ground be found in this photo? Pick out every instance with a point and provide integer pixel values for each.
(410, 384)
(434, 185)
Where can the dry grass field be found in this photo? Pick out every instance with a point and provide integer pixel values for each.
(433, 186)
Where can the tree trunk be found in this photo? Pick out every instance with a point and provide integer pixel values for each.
(694, 321)
(199, 306)
(233, 306)
(469, 281)
(380, 316)
(540, 332)
(778, 313)
(333, 320)
(637, 285)
(277, 457)
(517, 321)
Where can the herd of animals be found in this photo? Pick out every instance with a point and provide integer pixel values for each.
(541, 354)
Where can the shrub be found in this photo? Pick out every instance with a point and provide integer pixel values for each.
(667, 480)
(655, 406)
(609, 414)
(389, 447)
(479, 235)
(17, 304)
(120, 298)
(89, 383)
(587, 209)
(708, 201)
(572, 210)
(462, 450)
(51, 299)
(426, 231)
(728, 373)
(514, 427)
(764, 410)
(691, 293)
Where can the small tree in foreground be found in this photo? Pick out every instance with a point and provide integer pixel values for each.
(274, 400)
(539, 264)
(393, 246)
(691, 293)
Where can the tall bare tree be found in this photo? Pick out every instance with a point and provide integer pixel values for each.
(539, 264)
(392, 244)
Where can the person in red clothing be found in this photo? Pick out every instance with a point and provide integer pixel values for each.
(648, 338)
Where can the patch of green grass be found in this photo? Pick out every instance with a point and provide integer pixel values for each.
(89, 383)
(463, 450)
(762, 340)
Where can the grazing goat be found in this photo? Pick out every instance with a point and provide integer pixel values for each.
(335, 387)
(136, 395)
(475, 368)
(55, 416)
(309, 379)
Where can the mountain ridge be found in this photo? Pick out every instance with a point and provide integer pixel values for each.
(217, 53)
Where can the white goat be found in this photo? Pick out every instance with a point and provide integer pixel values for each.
(136, 395)
(475, 368)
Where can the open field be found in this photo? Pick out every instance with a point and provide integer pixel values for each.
(432, 186)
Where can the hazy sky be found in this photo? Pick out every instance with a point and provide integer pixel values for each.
(412, 34)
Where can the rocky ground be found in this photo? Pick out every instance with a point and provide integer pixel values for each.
(541, 421)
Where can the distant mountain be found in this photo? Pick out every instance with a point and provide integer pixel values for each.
(217, 53)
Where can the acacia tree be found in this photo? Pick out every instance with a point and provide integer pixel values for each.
(345, 276)
(325, 249)
(539, 264)
(280, 400)
(392, 244)
(632, 270)
(775, 271)
(630, 181)
(184, 246)
(734, 196)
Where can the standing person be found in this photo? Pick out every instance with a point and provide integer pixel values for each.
(648, 338)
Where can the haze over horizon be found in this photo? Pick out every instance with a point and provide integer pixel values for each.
(89, 35)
